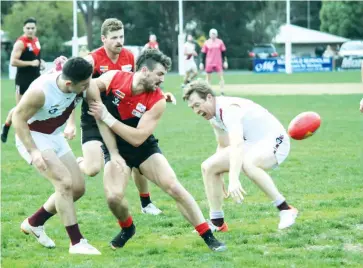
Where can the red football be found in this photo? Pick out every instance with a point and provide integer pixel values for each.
(304, 125)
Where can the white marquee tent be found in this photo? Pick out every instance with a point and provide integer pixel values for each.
(300, 35)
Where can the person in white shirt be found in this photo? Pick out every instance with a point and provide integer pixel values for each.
(38, 120)
(191, 70)
(250, 139)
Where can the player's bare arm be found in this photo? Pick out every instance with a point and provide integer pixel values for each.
(33, 100)
(92, 96)
(232, 120)
(70, 129)
(16, 54)
(134, 136)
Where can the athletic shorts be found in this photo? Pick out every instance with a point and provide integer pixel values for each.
(137, 157)
(91, 133)
(22, 85)
(133, 158)
(213, 68)
(190, 66)
(55, 142)
(279, 145)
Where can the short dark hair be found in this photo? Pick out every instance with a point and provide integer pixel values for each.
(77, 69)
(150, 57)
(30, 20)
(201, 87)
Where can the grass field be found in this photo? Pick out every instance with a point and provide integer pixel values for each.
(322, 177)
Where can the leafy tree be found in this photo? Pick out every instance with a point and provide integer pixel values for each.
(54, 24)
(342, 18)
(161, 18)
(87, 9)
(299, 13)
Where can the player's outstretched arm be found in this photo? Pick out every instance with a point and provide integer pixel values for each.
(232, 119)
(134, 136)
(32, 101)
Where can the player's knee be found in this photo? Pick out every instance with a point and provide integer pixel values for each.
(64, 185)
(208, 167)
(175, 190)
(114, 198)
(78, 192)
(92, 170)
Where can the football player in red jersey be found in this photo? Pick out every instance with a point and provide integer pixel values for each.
(133, 107)
(26, 57)
(152, 44)
(111, 56)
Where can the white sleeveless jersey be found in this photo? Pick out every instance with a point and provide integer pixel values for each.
(257, 122)
(190, 48)
(57, 105)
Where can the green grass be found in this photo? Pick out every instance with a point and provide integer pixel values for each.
(296, 78)
(322, 177)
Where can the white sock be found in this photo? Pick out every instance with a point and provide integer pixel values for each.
(216, 214)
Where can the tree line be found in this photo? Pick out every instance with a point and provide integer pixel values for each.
(240, 24)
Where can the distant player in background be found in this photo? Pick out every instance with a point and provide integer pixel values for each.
(152, 44)
(213, 53)
(26, 57)
(250, 139)
(191, 70)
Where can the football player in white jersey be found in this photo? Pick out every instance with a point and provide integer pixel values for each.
(191, 70)
(38, 121)
(250, 139)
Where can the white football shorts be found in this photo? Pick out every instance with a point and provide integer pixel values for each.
(55, 142)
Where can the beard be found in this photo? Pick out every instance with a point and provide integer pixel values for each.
(149, 86)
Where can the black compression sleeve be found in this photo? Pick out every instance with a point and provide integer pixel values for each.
(203, 58)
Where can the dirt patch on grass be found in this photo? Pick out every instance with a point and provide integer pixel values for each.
(293, 89)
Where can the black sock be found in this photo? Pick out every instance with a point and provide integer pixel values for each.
(207, 234)
(218, 222)
(283, 206)
(145, 200)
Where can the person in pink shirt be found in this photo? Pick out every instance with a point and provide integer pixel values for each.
(213, 53)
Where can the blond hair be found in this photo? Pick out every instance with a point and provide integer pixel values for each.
(111, 25)
(201, 87)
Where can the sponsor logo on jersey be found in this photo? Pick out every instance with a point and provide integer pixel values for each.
(103, 68)
(136, 113)
(126, 68)
(141, 107)
(120, 95)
